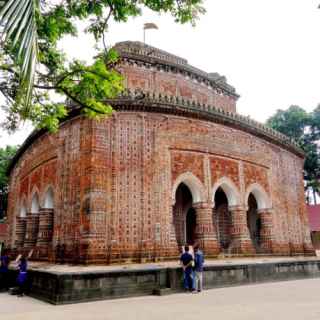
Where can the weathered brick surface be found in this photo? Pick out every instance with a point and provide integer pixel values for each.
(222, 167)
(187, 162)
(115, 183)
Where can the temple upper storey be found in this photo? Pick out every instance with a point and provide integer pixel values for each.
(153, 70)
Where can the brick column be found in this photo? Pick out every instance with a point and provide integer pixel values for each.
(32, 229)
(266, 232)
(241, 242)
(206, 234)
(45, 231)
(20, 231)
(175, 246)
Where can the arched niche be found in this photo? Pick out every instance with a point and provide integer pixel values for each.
(184, 216)
(23, 211)
(35, 206)
(222, 219)
(260, 195)
(193, 183)
(230, 190)
(49, 199)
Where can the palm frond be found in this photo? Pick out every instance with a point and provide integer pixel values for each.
(19, 29)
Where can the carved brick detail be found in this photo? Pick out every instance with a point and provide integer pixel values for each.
(32, 230)
(205, 230)
(20, 231)
(241, 242)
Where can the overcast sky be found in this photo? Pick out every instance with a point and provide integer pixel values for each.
(268, 50)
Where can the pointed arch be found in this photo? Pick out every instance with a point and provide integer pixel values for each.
(35, 206)
(229, 188)
(49, 198)
(261, 196)
(23, 209)
(193, 183)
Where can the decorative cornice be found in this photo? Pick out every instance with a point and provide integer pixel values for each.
(148, 56)
(139, 101)
(151, 102)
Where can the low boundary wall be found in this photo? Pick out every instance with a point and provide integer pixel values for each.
(72, 287)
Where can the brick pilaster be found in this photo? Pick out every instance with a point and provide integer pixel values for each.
(20, 232)
(32, 230)
(241, 242)
(45, 231)
(206, 234)
(266, 232)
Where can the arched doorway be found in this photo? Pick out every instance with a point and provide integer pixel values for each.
(191, 223)
(254, 221)
(184, 216)
(223, 220)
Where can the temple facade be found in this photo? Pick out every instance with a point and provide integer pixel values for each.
(174, 164)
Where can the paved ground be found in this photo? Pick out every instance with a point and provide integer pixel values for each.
(294, 300)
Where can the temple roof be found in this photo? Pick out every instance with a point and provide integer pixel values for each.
(139, 51)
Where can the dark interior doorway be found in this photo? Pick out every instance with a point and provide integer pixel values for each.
(223, 219)
(184, 230)
(254, 221)
(191, 224)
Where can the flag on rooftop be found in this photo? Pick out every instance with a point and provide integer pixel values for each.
(150, 25)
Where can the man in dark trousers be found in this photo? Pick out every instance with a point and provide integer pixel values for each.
(198, 268)
(186, 261)
(4, 270)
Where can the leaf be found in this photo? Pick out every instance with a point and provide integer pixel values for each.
(20, 29)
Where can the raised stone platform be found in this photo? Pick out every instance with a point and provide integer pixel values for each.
(62, 284)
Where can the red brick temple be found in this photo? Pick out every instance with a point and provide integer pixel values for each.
(175, 164)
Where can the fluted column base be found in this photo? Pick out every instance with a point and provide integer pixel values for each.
(266, 232)
(21, 223)
(45, 233)
(206, 235)
(32, 230)
(241, 242)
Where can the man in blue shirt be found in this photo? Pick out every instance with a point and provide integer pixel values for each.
(198, 267)
(186, 260)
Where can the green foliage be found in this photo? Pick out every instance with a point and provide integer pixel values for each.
(34, 71)
(304, 127)
(6, 154)
(291, 122)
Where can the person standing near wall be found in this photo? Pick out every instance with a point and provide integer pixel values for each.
(22, 277)
(198, 267)
(186, 261)
(4, 270)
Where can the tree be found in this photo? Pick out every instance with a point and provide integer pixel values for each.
(303, 127)
(291, 122)
(6, 154)
(31, 66)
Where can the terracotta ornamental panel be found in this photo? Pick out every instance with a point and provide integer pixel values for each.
(222, 167)
(183, 161)
(256, 174)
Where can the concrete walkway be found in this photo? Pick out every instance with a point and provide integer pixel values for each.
(294, 300)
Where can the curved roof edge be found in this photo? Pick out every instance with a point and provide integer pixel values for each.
(139, 51)
(150, 102)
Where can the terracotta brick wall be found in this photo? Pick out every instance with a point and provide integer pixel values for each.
(173, 84)
(113, 182)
